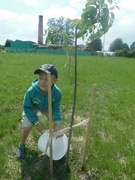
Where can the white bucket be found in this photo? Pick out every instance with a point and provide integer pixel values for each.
(59, 145)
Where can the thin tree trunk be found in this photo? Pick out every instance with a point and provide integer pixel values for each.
(74, 102)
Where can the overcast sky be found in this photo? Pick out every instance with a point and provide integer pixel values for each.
(19, 18)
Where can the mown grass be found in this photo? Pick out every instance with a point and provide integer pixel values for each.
(111, 153)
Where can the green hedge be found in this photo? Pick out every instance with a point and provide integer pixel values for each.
(126, 53)
(47, 51)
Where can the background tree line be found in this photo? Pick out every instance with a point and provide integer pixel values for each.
(118, 44)
(122, 49)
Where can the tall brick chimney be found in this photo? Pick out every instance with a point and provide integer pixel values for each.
(40, 30)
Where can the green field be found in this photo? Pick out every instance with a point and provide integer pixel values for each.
(111, 149)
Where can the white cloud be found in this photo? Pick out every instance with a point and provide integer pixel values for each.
(57, 11)
(13, 18)
(32, 2)
(15, 26)
(124, 4)
(78, 4)
(127, 20)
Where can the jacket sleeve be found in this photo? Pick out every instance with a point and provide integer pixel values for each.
(56, 107)
(28, 109)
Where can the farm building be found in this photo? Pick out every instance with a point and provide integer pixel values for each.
(32, 47)
(22, 46)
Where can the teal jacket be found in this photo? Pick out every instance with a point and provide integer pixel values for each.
(35, 99)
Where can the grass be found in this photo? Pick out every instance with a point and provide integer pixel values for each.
(111, 152)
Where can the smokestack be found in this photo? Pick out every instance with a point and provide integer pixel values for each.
(40, 30)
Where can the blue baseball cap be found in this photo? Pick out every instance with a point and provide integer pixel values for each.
(47, 67)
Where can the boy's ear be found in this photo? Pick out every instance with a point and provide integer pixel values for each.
(55, 80)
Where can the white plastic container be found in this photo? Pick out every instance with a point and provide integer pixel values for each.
(59, 146)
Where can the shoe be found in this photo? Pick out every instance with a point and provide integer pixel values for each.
(21, 152)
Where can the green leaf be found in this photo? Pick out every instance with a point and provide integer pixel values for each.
(104, 24)
(97, 35)
(110, 1)
(100, 1)
(83, 37)
(106, 13)
(117, 7)
(75, 22)
(112, 16)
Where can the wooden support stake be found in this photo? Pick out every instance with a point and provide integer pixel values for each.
(50, 120)
(88, 124)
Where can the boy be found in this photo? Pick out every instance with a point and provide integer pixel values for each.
(36, 99)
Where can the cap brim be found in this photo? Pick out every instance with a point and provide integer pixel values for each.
(37, 71)
(40, 70)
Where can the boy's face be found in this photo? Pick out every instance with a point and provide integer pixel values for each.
(43, 83)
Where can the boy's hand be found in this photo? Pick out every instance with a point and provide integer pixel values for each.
(56, 128)
(40, 127)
